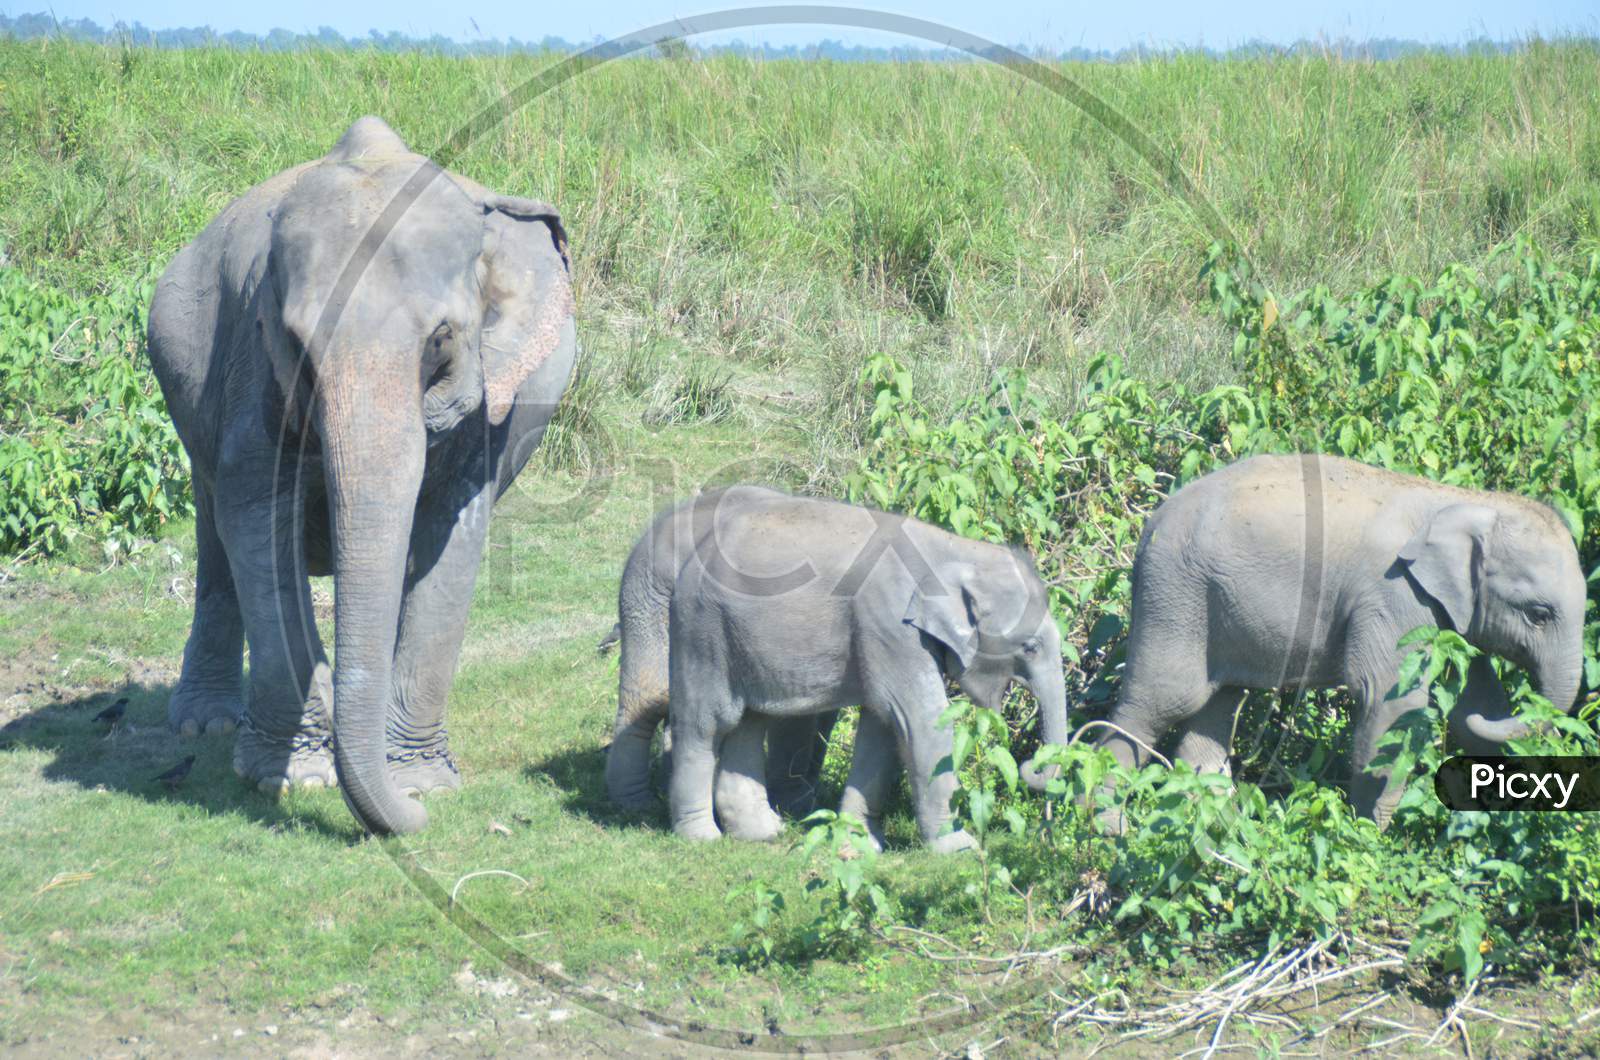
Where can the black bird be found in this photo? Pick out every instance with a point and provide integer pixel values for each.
(114, 712)
(174, 776)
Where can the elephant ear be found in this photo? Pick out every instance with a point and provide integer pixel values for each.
(945, 607)
(528, 294)
(1445, 558)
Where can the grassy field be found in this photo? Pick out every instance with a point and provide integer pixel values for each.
(745, 237)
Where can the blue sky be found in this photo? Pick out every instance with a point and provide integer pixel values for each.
(1101, 24)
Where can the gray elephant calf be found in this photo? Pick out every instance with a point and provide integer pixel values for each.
(794, 607)
(1304, 572)
(795, 745)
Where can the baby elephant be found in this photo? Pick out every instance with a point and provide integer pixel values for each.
(1304, 572)
(795, 745)
(797, 606)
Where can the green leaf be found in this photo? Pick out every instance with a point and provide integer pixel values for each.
(1001, 759)
(960, 746)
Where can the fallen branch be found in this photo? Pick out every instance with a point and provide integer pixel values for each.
(953, 955)
(1452, 1018)
(1242, 995)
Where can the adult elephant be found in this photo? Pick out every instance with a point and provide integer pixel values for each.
(359, 355)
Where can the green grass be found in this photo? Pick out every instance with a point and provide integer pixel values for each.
(802, 214)
(260, 905)
(745, 236)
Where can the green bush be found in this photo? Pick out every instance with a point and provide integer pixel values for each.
(86, 446)
(1485, 382)
(1478, 383)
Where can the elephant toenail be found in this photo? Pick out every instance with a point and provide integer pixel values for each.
(313, 782)
(190, 727)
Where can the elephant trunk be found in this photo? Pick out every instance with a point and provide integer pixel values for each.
(1496, 730)
(1050, 689)
(373, 442)
(1559, 684)
(1562, 688)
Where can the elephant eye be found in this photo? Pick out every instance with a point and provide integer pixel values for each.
(1030, 646)
(441, 335)
(1540, 614)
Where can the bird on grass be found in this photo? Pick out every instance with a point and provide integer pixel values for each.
(174, 776)
(113, 714)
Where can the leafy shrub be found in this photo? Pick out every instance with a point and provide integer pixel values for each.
(1486, 382)
(851, 905)
(1204, 862)
(1484, 385)
(85, 442)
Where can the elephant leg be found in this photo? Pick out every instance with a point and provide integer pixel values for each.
(642, 697)
(741, 790)
(628, 759)
(447, 540)
(1207, 738)
(874, 768)
(697, 730)
(209, 696)
(796, 748)
(285, 739)
(924, 743)
(1483, 695)
(1148, 707)
(1376, 794)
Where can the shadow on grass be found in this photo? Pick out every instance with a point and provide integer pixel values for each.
(579, 775)
(127, 756)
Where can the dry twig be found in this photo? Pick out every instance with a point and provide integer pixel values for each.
(1243, 995)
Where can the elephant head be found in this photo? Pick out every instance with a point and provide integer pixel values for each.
(992, 618)
(1507, 578)
(406, 307)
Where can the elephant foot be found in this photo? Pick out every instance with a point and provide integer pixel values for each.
(628, 773)
(422, 772)
(192, 711)
(952, 843)
(635, 800)
(875, 834)
(1375, 797)
(755, 825)
(275, 765)
(700, 830)
(853, 805)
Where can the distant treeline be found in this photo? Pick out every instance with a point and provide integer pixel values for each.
(28, 27)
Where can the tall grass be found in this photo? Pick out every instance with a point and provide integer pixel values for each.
(803, 215)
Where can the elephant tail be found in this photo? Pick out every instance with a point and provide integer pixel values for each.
(610, 640)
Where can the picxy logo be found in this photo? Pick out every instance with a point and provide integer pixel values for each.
(1539, 783)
